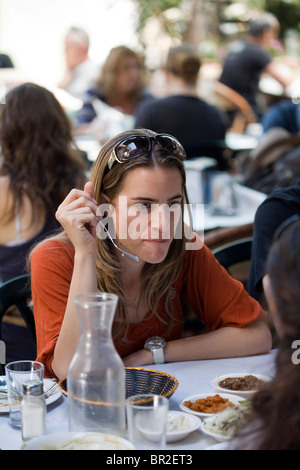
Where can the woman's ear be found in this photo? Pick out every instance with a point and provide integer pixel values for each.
(104, 199)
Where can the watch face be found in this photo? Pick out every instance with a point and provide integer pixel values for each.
(155, 343)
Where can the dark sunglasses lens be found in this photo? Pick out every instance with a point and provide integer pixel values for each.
(171, 145)
(132, 147)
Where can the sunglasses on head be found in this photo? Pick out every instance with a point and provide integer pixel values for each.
(136, 146)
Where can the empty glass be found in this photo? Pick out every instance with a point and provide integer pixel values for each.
(17, 373)
(147, 418)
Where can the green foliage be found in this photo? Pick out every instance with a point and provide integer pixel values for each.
(153, 8)
(288, 13)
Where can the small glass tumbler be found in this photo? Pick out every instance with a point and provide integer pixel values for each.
(17, 373)
(146, 419)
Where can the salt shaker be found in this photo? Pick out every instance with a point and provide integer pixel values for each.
(33, 410)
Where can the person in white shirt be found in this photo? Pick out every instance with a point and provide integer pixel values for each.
(81, 70)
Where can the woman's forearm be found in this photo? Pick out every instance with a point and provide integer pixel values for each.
(252, 339)
(83, 280)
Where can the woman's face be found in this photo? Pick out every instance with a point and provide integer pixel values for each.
(129, 75)
(147, 211)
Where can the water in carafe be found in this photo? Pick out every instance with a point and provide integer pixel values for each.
(96, 376)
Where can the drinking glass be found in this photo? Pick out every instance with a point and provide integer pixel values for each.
(16, 374)
(146, 419)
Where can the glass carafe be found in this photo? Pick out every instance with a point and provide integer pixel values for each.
(96, 376)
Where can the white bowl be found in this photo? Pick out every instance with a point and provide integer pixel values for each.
(174, 435)
(234, 399)
(218, 436)
(244, 394)
(78, 441)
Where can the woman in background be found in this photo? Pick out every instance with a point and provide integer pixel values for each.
(39, 165)
(120, 87)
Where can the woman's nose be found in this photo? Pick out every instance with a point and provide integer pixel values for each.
(162, 220)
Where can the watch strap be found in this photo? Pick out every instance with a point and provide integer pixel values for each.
(158, 356)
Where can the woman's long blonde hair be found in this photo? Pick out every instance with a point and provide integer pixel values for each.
(157, 279)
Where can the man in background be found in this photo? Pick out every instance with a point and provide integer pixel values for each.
(81, 71)
(247, 59)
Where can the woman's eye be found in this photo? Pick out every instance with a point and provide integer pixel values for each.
(141, 206)
(174, 204)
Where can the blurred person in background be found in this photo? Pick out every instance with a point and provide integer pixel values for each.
(109, 106)
(6, 62)
(247, 59)
(284, 114)
(280, 206)
(81, 71)
(39, 165)
(182, 113)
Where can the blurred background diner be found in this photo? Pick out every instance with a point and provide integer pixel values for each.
(39, 165)
(182, 105)
(143, 62)
(81, 70)
(110, 105)
(249, 57)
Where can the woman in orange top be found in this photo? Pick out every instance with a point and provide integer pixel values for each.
(138, 181)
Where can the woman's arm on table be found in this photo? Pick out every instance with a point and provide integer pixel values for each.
(251, 339)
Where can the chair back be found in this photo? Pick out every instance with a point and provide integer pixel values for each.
(228, 99)
(235, 258)
(234, 252)
(17, 292)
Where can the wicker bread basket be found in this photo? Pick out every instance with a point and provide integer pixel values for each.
(141, 381)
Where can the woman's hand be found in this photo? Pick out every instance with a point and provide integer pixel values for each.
(143, 357)
(77, 215)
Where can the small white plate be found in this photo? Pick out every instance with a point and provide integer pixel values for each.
(177, 434)
(78, 441)
(4, 408)
(242, 393)
(234, 399)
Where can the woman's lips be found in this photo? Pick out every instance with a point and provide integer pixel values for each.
(156, 240)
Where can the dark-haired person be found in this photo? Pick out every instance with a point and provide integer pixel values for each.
(183, 113)
(39, 165)
(138, 181)
(280, 206)
(275, 421)
(248, 58)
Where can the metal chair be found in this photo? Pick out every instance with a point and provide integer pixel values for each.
(17, 293)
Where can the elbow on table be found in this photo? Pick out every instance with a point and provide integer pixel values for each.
(263, 340)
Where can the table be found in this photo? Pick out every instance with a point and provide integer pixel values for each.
(193, 377)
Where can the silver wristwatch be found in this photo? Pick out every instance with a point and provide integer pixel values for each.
(156, 345)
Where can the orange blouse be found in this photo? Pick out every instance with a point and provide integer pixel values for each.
(203, 284)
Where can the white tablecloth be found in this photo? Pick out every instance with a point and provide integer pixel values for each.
(193, 377)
